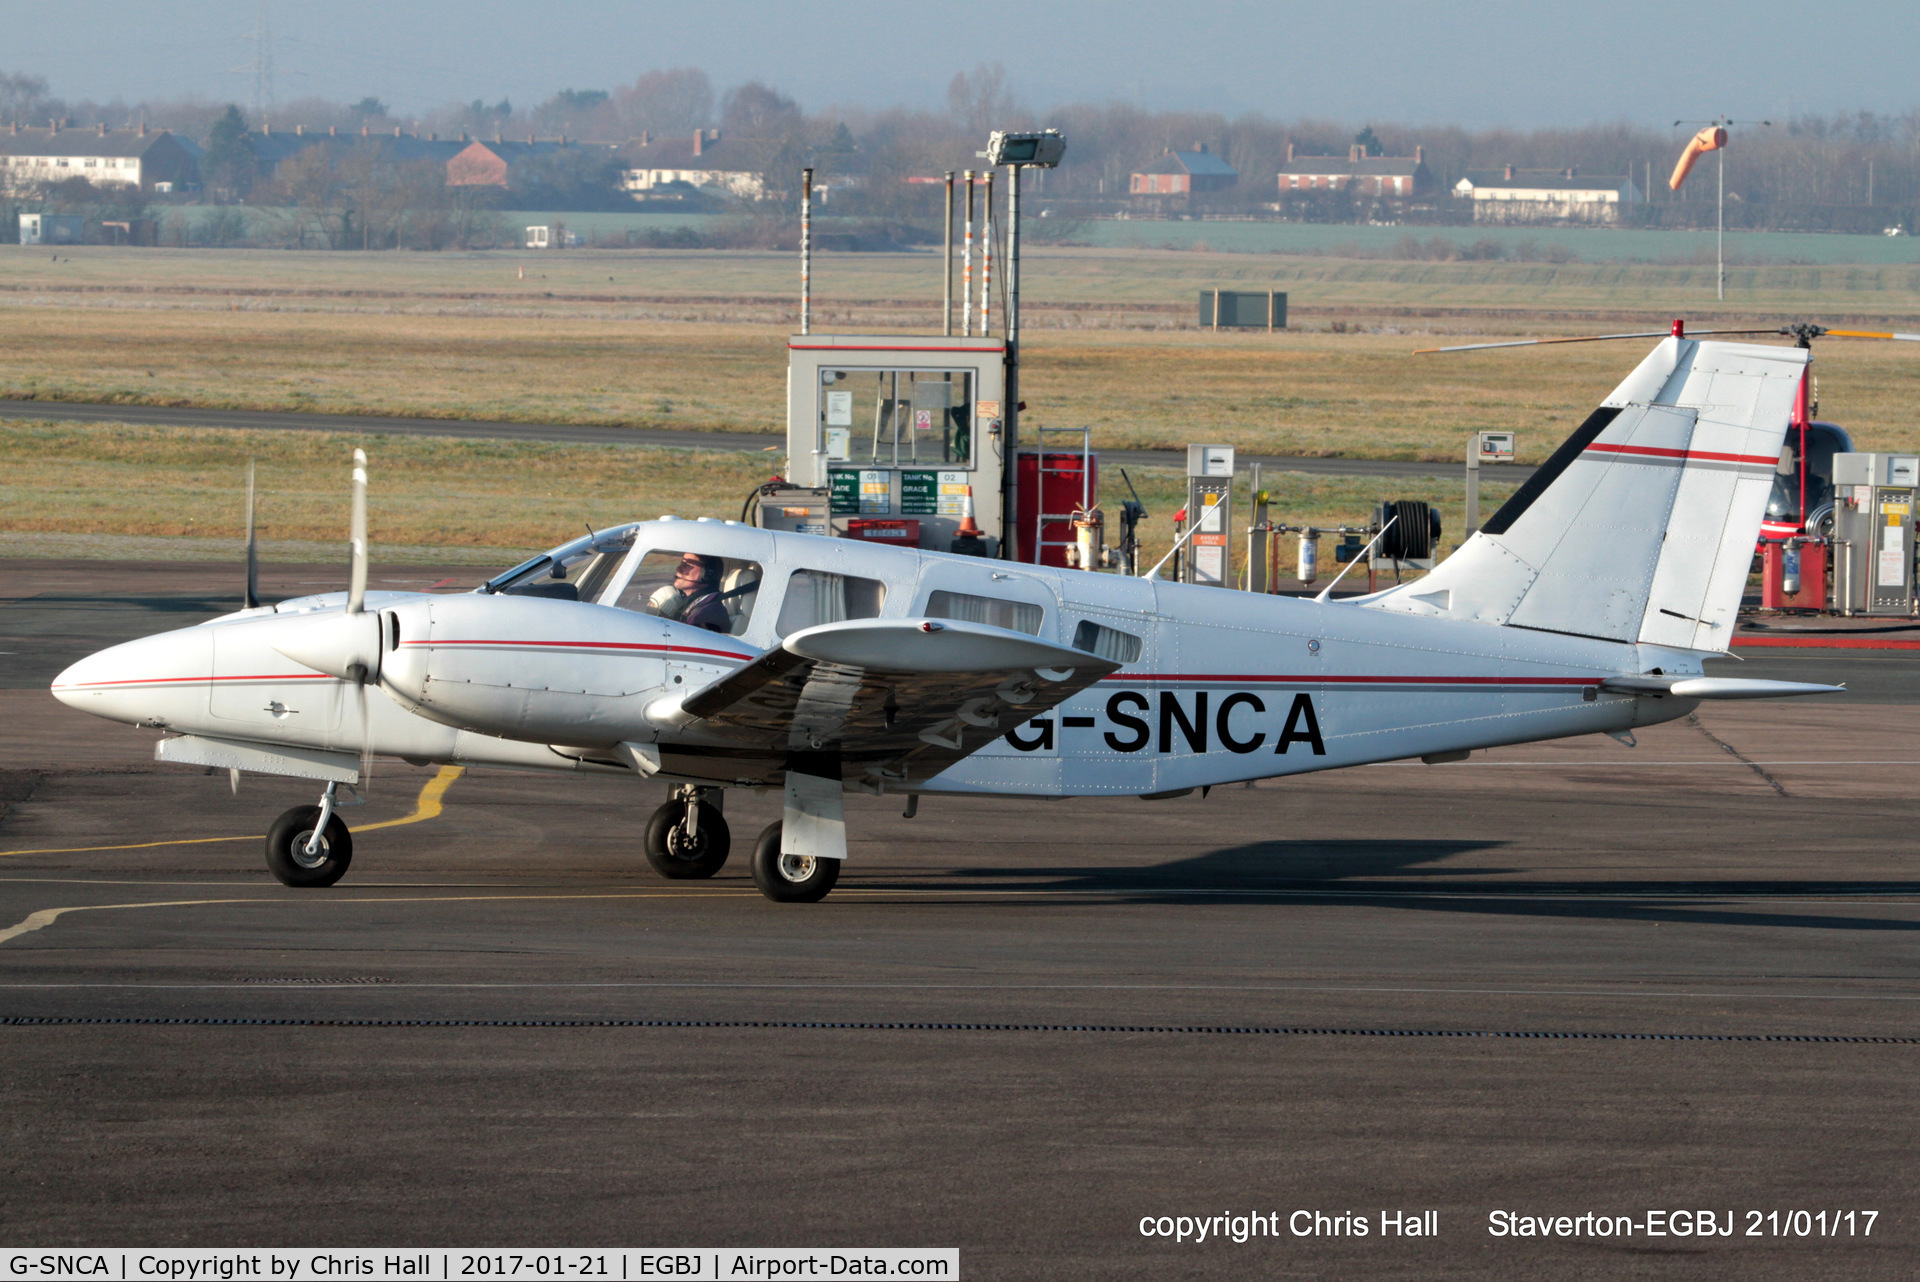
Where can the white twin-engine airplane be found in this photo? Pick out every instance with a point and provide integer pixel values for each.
(710, 655)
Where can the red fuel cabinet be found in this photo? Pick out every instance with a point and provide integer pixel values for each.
(1052, 485)
(1775, 559)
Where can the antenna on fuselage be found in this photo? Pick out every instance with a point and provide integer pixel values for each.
(1364, 554)
(1178, 543)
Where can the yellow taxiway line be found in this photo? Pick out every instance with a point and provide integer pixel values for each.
(47, 916)
(427, 806)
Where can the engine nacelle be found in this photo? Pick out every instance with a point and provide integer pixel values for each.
(544, 670)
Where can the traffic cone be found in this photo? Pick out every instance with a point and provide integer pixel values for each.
(969, 539)
(968, 528)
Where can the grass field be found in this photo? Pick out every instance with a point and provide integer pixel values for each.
(696, 340)
(180, 493)
(606, 283)
(1351, 395)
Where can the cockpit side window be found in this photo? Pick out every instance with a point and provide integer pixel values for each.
(717, 593)
(577, 571)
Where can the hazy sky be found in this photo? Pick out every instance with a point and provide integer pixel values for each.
(1473, 62)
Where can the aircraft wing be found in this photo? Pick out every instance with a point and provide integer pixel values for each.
(895, 698)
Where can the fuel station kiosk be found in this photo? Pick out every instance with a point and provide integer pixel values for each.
(915, 440)
(895, 435)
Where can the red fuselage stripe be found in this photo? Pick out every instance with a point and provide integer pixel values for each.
(154, 681)
(591, 645)
(1230, 678)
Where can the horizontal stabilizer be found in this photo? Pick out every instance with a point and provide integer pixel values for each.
(1713, 687)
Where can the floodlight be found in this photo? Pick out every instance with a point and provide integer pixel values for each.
(1041, 150)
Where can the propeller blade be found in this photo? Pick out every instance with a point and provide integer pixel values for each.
(253, 548)
(357, 538)
(366, 742)
(1868, 333)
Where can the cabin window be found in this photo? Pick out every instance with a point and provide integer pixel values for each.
(717, 593)
(815, 597)
(1015, 616)
(1107, 643)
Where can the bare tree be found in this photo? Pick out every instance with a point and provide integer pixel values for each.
(754, 110)
(981, 101)
(308, 191)
(676, 101)
(25, 98)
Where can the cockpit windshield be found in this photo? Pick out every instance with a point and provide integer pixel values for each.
(576, 571)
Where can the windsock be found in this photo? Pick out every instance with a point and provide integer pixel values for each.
(1712, 138)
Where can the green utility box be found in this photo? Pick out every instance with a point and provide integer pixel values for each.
(1242, 309)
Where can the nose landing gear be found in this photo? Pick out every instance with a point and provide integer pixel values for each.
(687, 838)
(309, 846)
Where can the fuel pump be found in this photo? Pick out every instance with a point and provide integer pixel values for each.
(1210, 470)
(1132, 512)
(1874, 533)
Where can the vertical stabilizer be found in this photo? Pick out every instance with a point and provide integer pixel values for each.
(1641, 526)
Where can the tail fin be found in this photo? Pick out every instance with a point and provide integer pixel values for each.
(1641, 526)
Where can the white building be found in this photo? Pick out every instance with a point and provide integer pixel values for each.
(705, 161)
(31, 157)
(1513, 195)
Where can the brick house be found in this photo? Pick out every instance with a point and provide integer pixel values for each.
(1386, 177)
(1184, 173)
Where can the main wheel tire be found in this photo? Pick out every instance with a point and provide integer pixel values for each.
(676, 859)
(790, 879)
(287, 856)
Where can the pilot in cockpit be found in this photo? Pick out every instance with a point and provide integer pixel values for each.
(694, 595)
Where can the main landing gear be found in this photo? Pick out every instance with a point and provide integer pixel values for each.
(688, 838)
(791, 879)
(309, 846)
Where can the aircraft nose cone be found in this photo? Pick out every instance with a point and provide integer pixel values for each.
(74, 687)
(154, 680)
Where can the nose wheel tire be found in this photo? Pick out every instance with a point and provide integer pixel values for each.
(678, 858)
(287, 857)
(791, 879)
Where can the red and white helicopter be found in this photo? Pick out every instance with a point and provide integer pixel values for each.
(713, 655)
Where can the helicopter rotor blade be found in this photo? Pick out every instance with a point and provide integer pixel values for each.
(1583, 338)
(1870, 333)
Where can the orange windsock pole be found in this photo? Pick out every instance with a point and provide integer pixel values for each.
(1712, 138)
